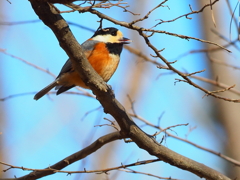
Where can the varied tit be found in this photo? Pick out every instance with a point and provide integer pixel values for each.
(102, 50)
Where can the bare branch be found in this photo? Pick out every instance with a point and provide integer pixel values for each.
(137, 28)
(170, 128)
(147, 15)
(113, 124)
(104, 94)
(231, 160)
(50, 169)
(185, 78)
(38, 173)
(84, 92)
(103, 4)
(26, 62)
(148, 174)
(160, 66)
(188, 14)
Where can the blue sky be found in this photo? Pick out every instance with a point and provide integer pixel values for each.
(37, 134)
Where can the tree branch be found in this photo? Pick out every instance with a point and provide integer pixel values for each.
(73, 158)
(106, 97)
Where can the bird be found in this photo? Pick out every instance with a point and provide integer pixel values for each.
(103, 52)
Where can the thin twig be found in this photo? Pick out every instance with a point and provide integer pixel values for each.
(148, 174)
(231, 160)
(84, 171)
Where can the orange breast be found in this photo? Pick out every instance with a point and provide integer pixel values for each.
(103, 63)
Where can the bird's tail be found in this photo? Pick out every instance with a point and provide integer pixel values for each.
(45, 90)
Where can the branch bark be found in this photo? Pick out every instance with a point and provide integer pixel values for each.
(106, 97)
(74, 157)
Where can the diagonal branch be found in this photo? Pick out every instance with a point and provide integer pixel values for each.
(227, 158)
(73, 158)
(104, 94)
(134, 27)
(213, 82)
(106, 170)
(141, 32)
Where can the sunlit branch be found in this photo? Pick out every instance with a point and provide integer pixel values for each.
(231, 160)
(219, 84)
(187, 14)
(68, 160)
(106, 97)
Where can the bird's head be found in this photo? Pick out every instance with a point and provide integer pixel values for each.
(110, 35)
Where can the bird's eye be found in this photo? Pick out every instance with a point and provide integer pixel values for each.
(114, 33)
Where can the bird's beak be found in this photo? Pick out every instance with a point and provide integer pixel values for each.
(125, 40)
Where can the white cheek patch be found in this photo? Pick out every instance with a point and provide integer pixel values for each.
(105, 38)
(109, 38)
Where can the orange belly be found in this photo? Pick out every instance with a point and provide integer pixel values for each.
(103, 63)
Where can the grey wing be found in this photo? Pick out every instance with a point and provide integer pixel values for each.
(87, 47)
(67, 67)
